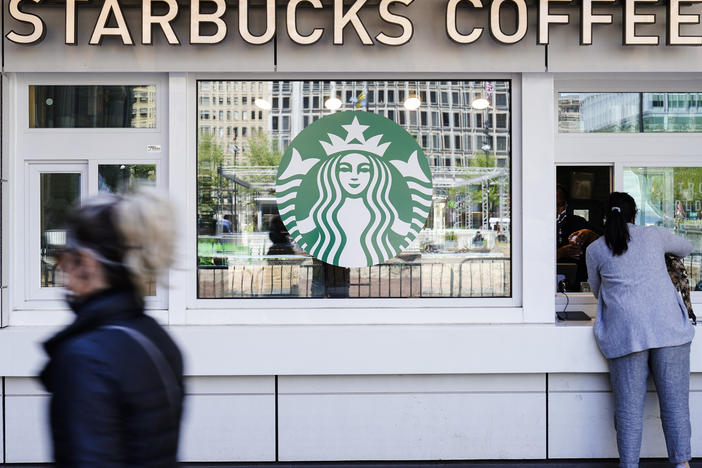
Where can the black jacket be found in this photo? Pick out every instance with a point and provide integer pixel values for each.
(109, 405)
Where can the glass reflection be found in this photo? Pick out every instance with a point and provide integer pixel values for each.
(465, 246)
(671, 197)
(92, 106)
(58, 193)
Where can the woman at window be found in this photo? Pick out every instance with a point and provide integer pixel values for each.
(115, 375)
(642, 326)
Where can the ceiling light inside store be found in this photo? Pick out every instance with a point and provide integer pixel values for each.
(333, 103)
(480, 104)
(412, 103)
(263, 104)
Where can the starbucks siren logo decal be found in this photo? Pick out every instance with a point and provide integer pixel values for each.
(354, 189)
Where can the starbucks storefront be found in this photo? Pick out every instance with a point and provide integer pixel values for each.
(366, 203)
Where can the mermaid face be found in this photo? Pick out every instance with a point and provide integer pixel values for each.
(354, 173)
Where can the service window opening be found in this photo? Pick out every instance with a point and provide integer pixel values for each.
(581, 195)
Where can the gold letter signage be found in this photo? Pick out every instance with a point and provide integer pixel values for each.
(377, 23)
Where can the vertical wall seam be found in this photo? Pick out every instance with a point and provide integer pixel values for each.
(4, 431)
(546, 395)
(275, 52)
(276, 419)
(546, 58)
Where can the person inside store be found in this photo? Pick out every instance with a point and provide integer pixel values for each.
(642, 328)
(574, 234)
(115, 376)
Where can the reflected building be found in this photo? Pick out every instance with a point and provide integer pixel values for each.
(447, 127)
(227, 112)
(144, 107)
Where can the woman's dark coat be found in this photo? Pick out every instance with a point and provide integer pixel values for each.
(109, 405)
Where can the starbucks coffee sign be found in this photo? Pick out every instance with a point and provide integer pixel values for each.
(354, 189)
(507, 24)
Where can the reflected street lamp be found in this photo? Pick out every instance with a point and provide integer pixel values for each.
(236, 189)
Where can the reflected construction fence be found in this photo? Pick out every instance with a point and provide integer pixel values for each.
(296, 276)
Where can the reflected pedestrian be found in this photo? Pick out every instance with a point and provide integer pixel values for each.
(642, 327)
(115, 376)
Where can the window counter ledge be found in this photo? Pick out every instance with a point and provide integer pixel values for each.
(357, 349)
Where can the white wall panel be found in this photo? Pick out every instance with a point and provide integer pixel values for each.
(412, 421)
(229, 419)
(581, 418)
(27, 433)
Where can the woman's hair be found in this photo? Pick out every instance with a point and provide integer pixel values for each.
(131, 235)
(376, 197)
(621, 209)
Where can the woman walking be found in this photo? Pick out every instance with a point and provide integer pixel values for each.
(115, 376)
(642, 326)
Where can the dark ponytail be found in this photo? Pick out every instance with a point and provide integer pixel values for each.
(621, 209)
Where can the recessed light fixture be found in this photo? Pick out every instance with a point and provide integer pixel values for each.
(412, 103)
(263, 104)
(333, 103)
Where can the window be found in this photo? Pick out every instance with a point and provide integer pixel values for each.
(671, 197)
(91, 106)
(58, 193)
(236, 212)
(629, 112)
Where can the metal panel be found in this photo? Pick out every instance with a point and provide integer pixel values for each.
(52, 55)
(430, 49)
(413, 420)
(607, 54)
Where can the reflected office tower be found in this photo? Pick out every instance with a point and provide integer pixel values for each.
(467, 147)
(448, 128)
(228, 113)
(144, 107)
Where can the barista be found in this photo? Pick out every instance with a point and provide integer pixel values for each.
(573, 235)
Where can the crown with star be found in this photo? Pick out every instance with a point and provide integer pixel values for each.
(354, 133)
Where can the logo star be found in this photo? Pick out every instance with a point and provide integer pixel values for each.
(355, 131)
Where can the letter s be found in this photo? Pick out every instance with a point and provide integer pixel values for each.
(39, 27)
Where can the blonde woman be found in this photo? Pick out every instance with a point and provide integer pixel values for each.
(115, 376)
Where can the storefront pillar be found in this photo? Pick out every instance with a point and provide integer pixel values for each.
(538, 198)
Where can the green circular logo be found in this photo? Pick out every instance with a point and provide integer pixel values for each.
(354, 189)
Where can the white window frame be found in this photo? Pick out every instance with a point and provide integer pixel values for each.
(88, 147)
(32, 240)
(341, 311)
(625, 149)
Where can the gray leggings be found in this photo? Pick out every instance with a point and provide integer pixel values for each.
(670, 367)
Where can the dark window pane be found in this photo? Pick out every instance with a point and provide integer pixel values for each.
(58, 193)
(92, 106)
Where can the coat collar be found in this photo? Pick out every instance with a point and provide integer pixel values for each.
(101, 308)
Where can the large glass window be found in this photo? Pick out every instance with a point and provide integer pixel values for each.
(629, 112)
(671, 197)
(92, 106)
(464, 249)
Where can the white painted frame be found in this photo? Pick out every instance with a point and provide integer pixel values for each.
(52, 296)
(160, 300)
(626, 149)
(329, 311)
(58, 146)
